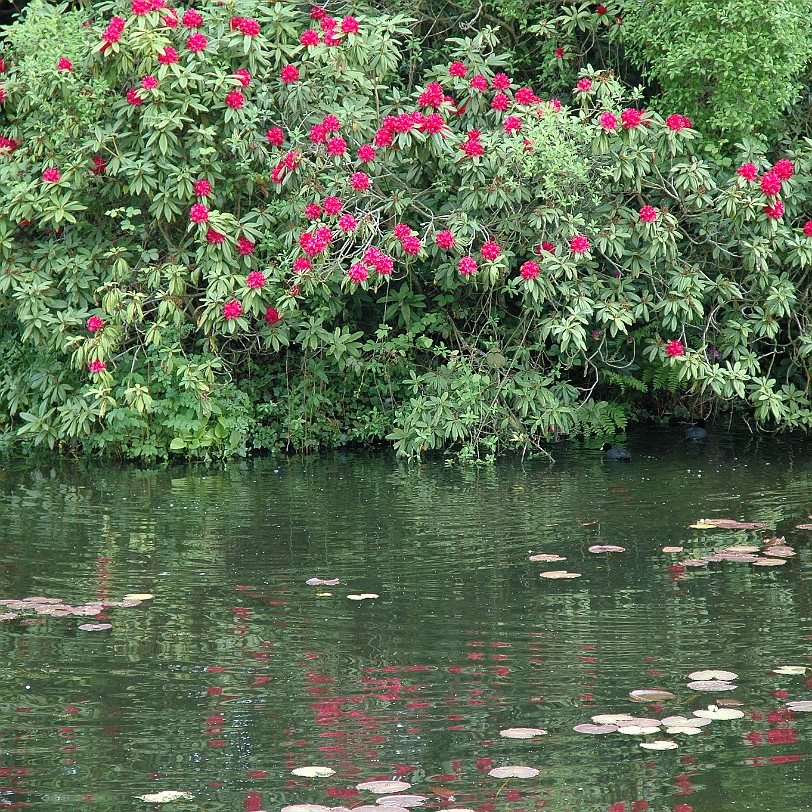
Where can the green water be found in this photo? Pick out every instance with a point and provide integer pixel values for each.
(237, 671)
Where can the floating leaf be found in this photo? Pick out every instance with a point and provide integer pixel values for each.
(683, 721)
(803, 526)
(401, 801)
(167, 796)
(716, 713)
(306, 808)
(694, 562)
(711, 685)
(606, 548)
(686, 730)
(729, 702)
(522, 732)
(547, 557)
(364, 596)
(313, 772)
(713, 674)
(728, 524)
(382, 787)
(780, 551)
(743, 548)
(139, 596)
(559, 574)
(322, 581)
(660, 744)
(514, 772)
(769, 562)
(801, 706)
(673, 549)
(595, 730)
(790, 670)
(95, 627)
(637, 730)
(650, 695)
(611, 718)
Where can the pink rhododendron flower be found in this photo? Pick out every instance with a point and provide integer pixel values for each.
(332, 205)
(97, 366)
(249, 27)
(99, 165)
(457, 69)
(94, 324)
(191, 18)
(133, 98)
(808, 228)
(674, 348)
(349, 25)
(529, 270)
(608, 121)
(401, 231)
(232, 310)
(479, 82)
(500, 102)
(313, 211)
(358, 273)
(197, 43)
(434, 123)
(244, 77)
(255, 280)
(198, 213)
(275, 137)
(51, 175)
(359, 181)
(558, 53)
(310, 37)
(501, 81)
(584, 85)
(524, 95)
(202, 188)
(149, 83)
(770, 184)
(432, 96)
(272, 316)
(347, 223)
(215, 237)
(677, 122)
(235, 99)
(302, 264)
(579, 244)
(336, 146)
(776, 211)
(411, 245)
(512, 124)
(290, 74)
(747, 171)
(631, 118)
(245, 247)
(445, 239)
(784, 169)
(64, 64)
(467, 266)
(548, 247)
(169, 56)
(140, 7)
(366, 153)
(490, 250)
(648, 214)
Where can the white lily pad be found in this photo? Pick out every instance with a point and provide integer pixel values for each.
(716, 713)
(514, 772)
(522, 732)
(769, 562)
(383, 787)
(790, 670)
(713, 674)
(139, 596)
(313, 772)
(673, 549)
(637, 730)
(165, 797)
(547, 557)
(611, 718)
(659, 744)
(322, 581)
(306, 808)
(711, 685)
(400, 801)
(555, 575)
(606, 548)
(800, 706)
(684, 730)
(594, 730)
(363, 596)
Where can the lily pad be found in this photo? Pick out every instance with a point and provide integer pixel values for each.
(606, 548)
(514, 772)
(522, 732)
(716, 713)
(306, 808)
(769, 562)
(713, 674)
(790, 670)
(401, 801)
(139, 596)
(322, 581)
(650, 695)
(383, 787)
(742, 548)
(728, 524)
(313, 772)
(559, 574)
(95, 627)
(672, 549)
(659, 744)
(803, 526)
(363, 596)
(800, 706)
(684, 721)
(611, 718)
(684, 730)
(637, 730)
(547, 557)
(711, 685)
(595, 730)
(780, 551)
(165, 797)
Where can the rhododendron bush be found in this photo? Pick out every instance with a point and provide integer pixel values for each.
(247, 225)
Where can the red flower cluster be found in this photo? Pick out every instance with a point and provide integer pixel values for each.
(529, 270)
(584, 85)
(432, 96)
(243, 76)
(198, 213)
(359, 181)
(358, 273)
(275, 137)
(457, 69)
(490, 251)
(249, 27)
(255, 280)
(97, 366)
(479, 83)
(471, 146)
(169, 56)
(245, 247)
(191, 18)
(232, 310)
(747, 171)
(114, 30)
(366, 153)
(94, 324)
(467, 266)
(316, 243)
(51, 175)
(512, 124)
(631, 118)
(347, 223)
(784, 169)
(272, 316)
(309, 38)
(197, 43)
(290, 74)
(149, 83)
(445, 239)
(215, 237)
(770, 184)
(579, 244)
(64, 64)
(776, 211)
(608, 121)
(648, 214)
(202, 188)
(235, 99)
(332, 205)
(674, 348)
(678, 122)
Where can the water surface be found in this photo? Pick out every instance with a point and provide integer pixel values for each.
(238, 672)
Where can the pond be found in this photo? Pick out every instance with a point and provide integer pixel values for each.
(236, 672)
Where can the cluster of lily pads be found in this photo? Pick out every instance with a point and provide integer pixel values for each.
(39, 606)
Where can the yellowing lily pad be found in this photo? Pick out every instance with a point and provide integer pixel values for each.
(139, 596)
(673, 549)
(313, 772)
(514, 772)
(790, 670)
(522, 732)
(165, 797)
(650, 695)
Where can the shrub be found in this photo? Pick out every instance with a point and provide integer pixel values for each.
(262, 231)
